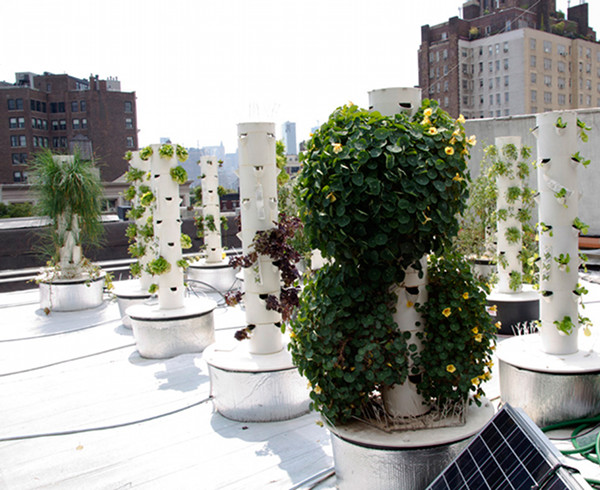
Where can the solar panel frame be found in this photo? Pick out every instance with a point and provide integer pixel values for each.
(510, 453)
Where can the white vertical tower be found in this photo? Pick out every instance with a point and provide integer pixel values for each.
(258, 199)
(403, 400)
(167, 228)
(507, 249)
(211, 209)
(558, 206)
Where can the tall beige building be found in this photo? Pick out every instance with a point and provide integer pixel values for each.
(503, 62)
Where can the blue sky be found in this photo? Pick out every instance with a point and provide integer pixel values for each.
(200, 67)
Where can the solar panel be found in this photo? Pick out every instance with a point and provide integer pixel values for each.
(510, 452)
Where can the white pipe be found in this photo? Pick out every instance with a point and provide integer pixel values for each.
(259, 211)
(211, 208)
(558, 206)
(167, 228)
(402, 400)
(508, 250)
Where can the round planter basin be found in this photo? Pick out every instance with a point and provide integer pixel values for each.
(129, 293)
(367, 457)
(163, 333)
(220, 275)
(72, 294)
(255, 387)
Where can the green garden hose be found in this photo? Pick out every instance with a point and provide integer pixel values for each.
(591, 450)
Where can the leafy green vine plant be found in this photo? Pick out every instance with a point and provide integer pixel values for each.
(376, 194)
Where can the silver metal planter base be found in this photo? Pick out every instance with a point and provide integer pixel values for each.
(549, 388)
(72, 294)
(129, 293)
(515, 310)
(220, 275)
(366, 457)
(255, 388)
(160, 334)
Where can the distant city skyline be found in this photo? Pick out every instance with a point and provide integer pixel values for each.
(199, 68)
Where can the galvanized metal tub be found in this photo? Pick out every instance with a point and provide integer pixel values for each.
(220, 276)
(72, 294)
(367, 457)
(160, 334)
(256, 388)
(514, 311)
(549, 388)
(129, 293)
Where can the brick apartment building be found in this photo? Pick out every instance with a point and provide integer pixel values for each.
(61, 112)
(508, 57)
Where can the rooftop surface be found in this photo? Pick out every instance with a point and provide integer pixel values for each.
(81, 409)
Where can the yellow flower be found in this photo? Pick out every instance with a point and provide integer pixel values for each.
(427, 218)
(465, 152)
(450, 368)
(292, 335)
(428, 112)
(432, 131)
(425, 121)
(447, 312)
(461, 119)
(472, 140)
(449, 150)
(409, 304)
(452, 140)
(475, 330)
(466, 295)
(478, 337)
(223, 256)
(456, 132)
(457, 178)
(489, 364)
(587, 332)
(318, 390)
(493, 308)
(475, 381)
(331, 197)
(337, 147)
(498, 325)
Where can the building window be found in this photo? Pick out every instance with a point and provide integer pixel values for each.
(497, 48)
(547, 64)
(465, 69)
(533, 77)
(506, 63)
(490, 50)
(446, 101)
(588, 53)
(55, 142)
(588, 100)
(561, 66)
(561, 99)
(12, 123)
(588, 68)
(532, 61)
(481, 67)
(82, 105)
(506, 81)
(129, 106)
(490, 66)
(129, 121)
(63, 142)
(17, 141)
(444, 36)
(488, 30)
(547, 97)
(445, 71)
(588, 84)
(431, 72)
(547, 80)
(491, 84)
(534, 96)
(497, 82)
(561, 50)
(55, 125)
(445, 54)
(431, 57)
(62, 124)
(506, 97)
(17, 176)
(547, 46)
(15, 104)
(481, 83)
(464, 53)
(129, 142)
(561, 82)
(74, 106)
(445, 90)
(532, 43)
(497, 65)
(491, 99)
(506, 46)
(75, 123)
(19, 158)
